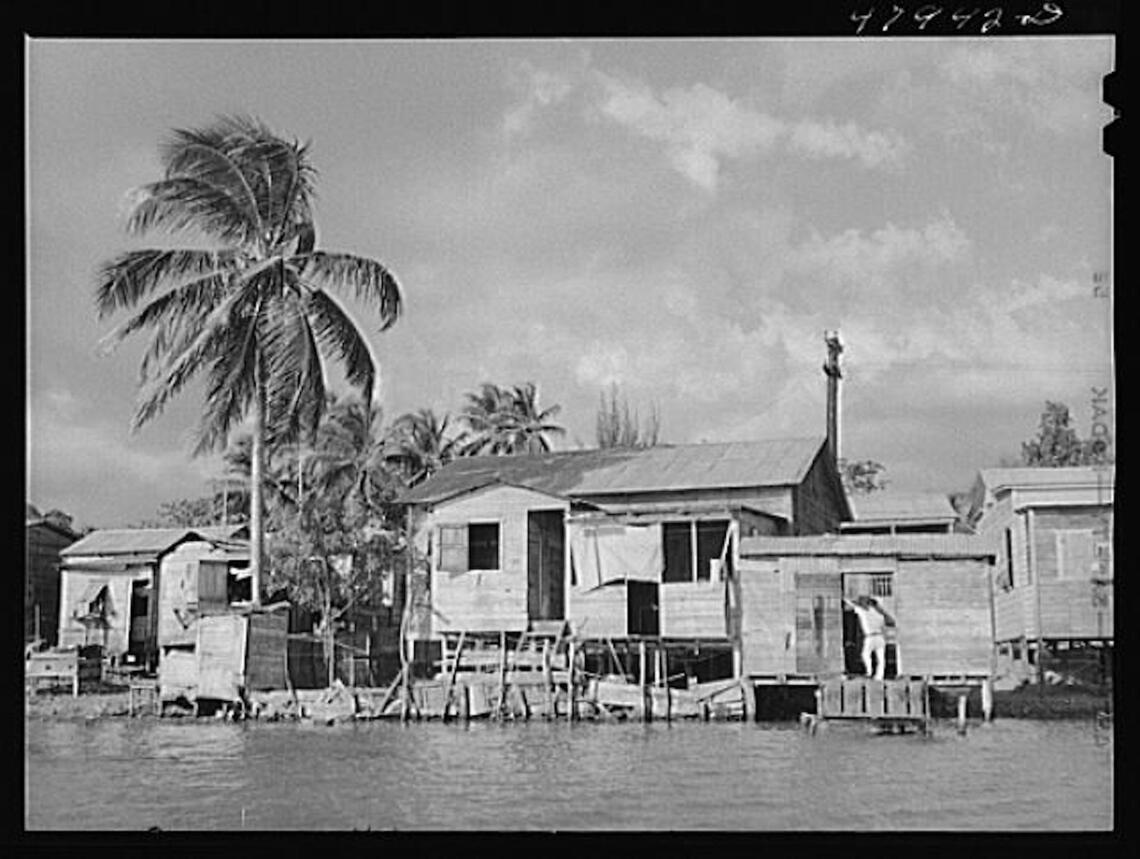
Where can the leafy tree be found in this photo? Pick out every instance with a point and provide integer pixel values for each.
(184, 513)
(616, 426)
(862, 476)
(344, 541)
(1057, 443)
(419, 444)
(251, 310)
(508, 421)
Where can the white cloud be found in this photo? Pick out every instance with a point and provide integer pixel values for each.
(870, 258)
(831, 140)
(702, 127)
(540, 88)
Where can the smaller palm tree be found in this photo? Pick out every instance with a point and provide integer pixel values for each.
(508, 421)
(419, 444)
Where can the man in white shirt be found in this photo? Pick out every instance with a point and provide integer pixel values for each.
(873, 621)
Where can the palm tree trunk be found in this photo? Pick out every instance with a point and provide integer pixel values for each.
(256, 502)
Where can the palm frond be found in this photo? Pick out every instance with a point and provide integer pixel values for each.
(295, 389)
(336, 331)
(187, 361)
(230, 388)
(184, 203)
(202, 155)
(126, 279)
(370, 281)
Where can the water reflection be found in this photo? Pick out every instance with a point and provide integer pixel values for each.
(203, 775)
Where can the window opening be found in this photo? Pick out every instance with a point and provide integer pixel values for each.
(483, 546)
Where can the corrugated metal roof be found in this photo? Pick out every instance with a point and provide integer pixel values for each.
(144, 541)
(936, 545)
(576, 474)
(891, 506)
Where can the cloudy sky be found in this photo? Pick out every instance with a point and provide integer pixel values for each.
(684, 218)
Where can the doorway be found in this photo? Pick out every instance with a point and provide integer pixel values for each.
(879, 586)
(546, 565)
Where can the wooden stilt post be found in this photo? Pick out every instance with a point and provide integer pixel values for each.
(962, 713)
(988, 699)
(641, 680)
(451, 677)
(619, 666)
(548, 678)
(572, 690)
(502, 674)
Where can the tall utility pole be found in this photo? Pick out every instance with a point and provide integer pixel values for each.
(834, 374)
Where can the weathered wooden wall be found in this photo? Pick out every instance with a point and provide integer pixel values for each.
(266, 650)
(768, 632)
(693, 609)
(188, 585)
(818, 500)
(943, 616)
(42, 580)
(819, 614)
(599, 612)
(178, 673)
(487, 599)
(221, 655)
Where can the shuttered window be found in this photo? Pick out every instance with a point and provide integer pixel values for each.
(453, 548)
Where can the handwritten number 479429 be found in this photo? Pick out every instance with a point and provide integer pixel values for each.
(961, 16)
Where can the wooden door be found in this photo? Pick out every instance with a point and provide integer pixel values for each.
(643, 610)
(819, 623)
(546, 565)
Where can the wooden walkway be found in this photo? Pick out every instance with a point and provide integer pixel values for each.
(888, 705)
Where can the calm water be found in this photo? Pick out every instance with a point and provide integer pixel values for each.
(202, 775)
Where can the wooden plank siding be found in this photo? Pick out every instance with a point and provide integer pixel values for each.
(792, 618)
(220, 652)
(600, 612)
(693, 609)
(42, 580)
(485, 600)
(943, 616)
(817, 505)
(767, 617)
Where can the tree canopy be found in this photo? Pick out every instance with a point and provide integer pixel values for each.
(254, 311)
(616, 425)
(1057, 443)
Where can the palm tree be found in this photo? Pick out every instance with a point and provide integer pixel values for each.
(508, 420)
(419, 445)
(350, 457)
(252, 311)
(529, 426)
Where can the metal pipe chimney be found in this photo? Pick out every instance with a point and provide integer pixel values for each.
(834, 374)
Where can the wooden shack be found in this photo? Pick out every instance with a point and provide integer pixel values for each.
(936, 586)
(109, 586)
(44, 538)
(619, 542)
(239, 650)
(1053, 584)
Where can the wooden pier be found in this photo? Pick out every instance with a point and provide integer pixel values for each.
(887, 705)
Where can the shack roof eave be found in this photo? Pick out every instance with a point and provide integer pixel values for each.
(850, 545)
